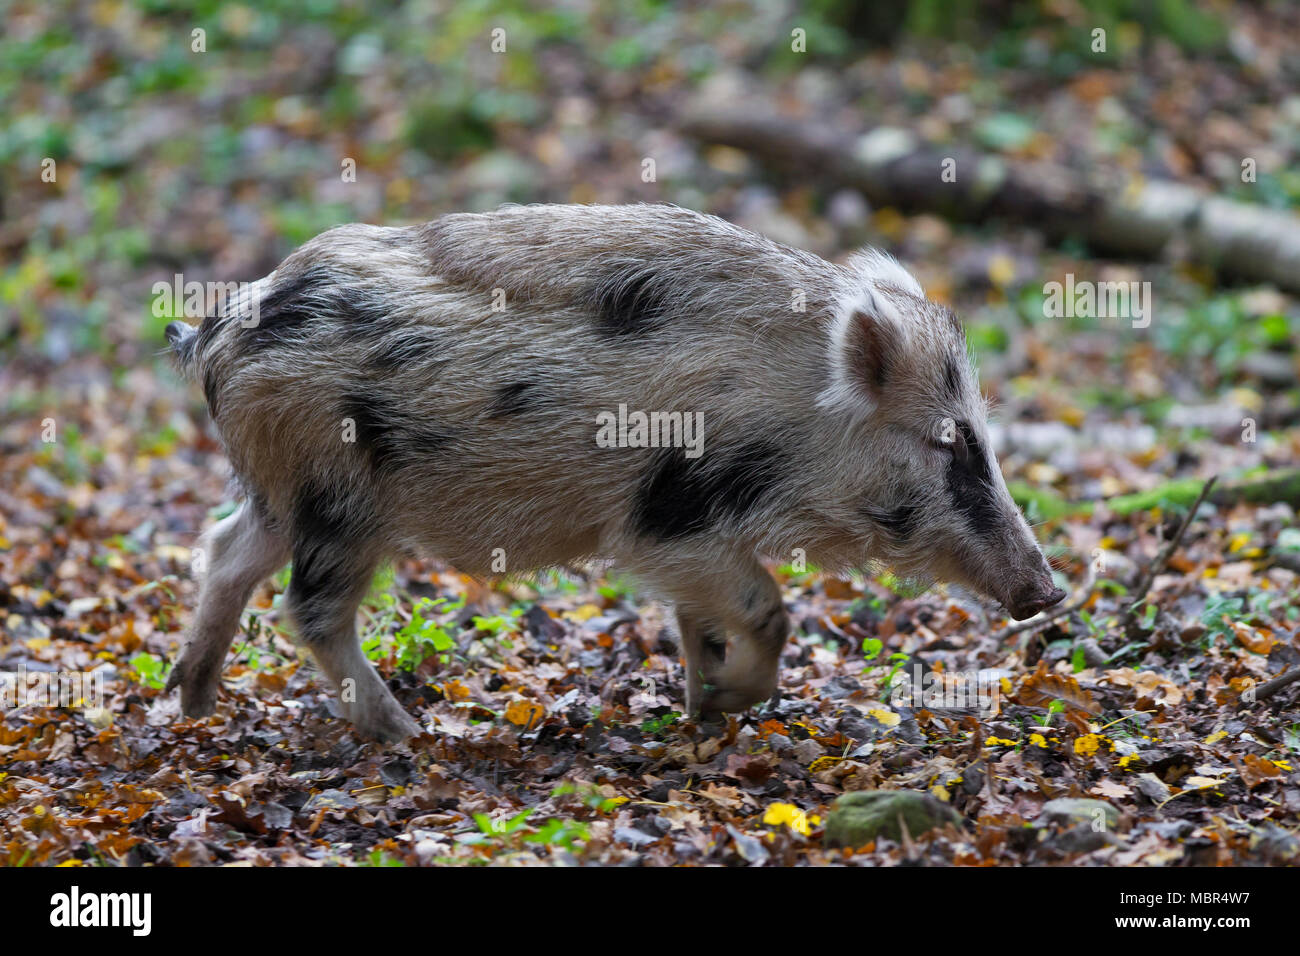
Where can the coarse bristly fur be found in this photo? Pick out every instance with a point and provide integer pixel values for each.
(436, 390)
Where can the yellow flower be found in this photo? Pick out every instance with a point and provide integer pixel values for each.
(791, 816)
(823, 763)
(1087, 744)
(1126, 760)
(1038, 740)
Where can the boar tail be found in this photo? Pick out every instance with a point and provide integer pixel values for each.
(181, 338)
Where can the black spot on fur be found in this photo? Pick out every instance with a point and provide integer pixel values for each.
(512, 399)
(680, 496)
(713, 641)
(212, 392)
(327, 529)
(881, 371)
(970, 485)
(630, 303)
(898, 522)
(387, 435)
(287, 307)
(287, 311)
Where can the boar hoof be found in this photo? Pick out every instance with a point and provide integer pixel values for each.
(387, 724)
(198, 691)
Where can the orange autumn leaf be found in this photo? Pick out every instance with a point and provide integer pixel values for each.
(1147, 684)
(838, 589)
(1255, 770)
(524, 713)
(1255, 640)
(1042, 687)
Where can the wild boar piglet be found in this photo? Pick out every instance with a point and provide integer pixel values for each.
(522, 389)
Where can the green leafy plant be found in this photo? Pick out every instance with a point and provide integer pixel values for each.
(421, 637)
(259, 658)
(379, 858)
(1054, 708)
(616, 588)
(655, 725)
(515, 831)
(498, 624)
(150, 670)
(1220, 611)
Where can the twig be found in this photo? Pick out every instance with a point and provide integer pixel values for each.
(1162, 559)
(1269, 688)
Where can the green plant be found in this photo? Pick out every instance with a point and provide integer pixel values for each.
(1220, 611)
(421, 637)
(258, 658)
(1055, 707)
(591, 797)
(499, 624)
(379, 858)
(655, 725)
(871, 648)
(150, 670)
(616, 588)
(514, 831)
(1292, 737)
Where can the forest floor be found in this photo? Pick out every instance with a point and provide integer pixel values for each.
(554, 706)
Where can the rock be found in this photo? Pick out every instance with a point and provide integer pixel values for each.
(1070, 810)
(860, 817)
(806, 751)
(632, 836)
(780, 744)
(1152, 787)
(751, 849)
(1080, 838)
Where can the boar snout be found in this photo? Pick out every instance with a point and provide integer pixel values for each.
(1039, 597)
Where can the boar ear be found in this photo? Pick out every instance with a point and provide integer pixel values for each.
(867, 343)
(863, 343)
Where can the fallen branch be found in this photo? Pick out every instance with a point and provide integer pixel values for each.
(1162, 559)
(1266, 489)
(1269, 688)
(1117, 213)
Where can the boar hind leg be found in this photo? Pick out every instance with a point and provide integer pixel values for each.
(329, 580)
(240, 552)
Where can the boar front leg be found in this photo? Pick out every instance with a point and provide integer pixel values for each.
(329, 581)
(704, 645)
(241, 552)
(730, 676)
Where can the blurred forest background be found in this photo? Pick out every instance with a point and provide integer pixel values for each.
(128, 155)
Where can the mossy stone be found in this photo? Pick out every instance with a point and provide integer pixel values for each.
(863, 815)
